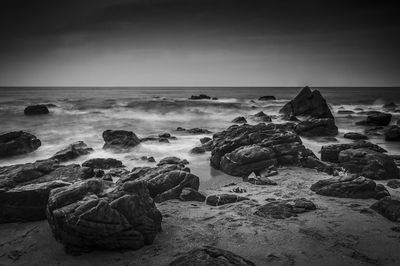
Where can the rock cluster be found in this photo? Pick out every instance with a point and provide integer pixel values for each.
(18, 142)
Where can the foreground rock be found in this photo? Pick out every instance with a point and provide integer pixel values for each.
(376, 118)
(18, 142)
(211, 256)
(393, 133)
(90, 215)
(222, 199)
(103, 163)
(39, 109)
(315, 127)
(73, 151)
(285, 208)
(307, 103)
(120, 139)
(388, 207)
(350, 187)
(354, 136)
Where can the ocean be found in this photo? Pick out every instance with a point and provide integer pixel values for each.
(84, 113)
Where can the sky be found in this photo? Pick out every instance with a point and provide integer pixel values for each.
(199, 43)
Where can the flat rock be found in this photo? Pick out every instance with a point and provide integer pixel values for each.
(222, 199)
(194, 131)
(73, 151)
(330, 153)
(18, 142)
(120, 139)
(198, 150)
(267, 98)
(285, 208)
(39, 109)
(103, 163)
(239, 120)
(172, 160)
(200, 97)
(388, 207)
(354, 136)
(393, 183)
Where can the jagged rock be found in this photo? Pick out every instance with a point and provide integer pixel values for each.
(221, 199)
(285, 208)
(388, 207)
(190, 194)
(194, 131)
(88, 215)
(73, 151)
(350, 187)
(239, 120)
(200, 97)
(205, 140)
(103, 163)
(262, 117)
(211, 256)
(393, 133)
(172, 160)
(393, 184)
(369, 163)
(18, 142)
(267, 98)
(314, 127)
(330, 153)
(120, 139)
(198, 150)
(376, 118)
(39, 109)
(307, 103)
(355, 136)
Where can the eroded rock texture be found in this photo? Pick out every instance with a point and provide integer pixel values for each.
(18, 142)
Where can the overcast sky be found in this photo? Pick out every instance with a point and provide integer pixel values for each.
(199, 43)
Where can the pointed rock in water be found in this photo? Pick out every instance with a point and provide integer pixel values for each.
(285, 208)
(315, 127)
(18, 142)
(376, 118)
(355, 136)
(261, 116)
(73, 151)
(208, 255)
(222, 199)
(39, 109)
(103, 163)
(190, 194)
(120, 139)
(388, 207)
(393, 133)
(239, 120)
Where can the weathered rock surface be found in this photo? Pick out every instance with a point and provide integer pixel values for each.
(267, 98)
(73, 151)
(103, 163)
(393, 133)
(350, 187)
(315, 127)
(239, 120)
(190, 194)
(18, 142)
(210, 256)
(355, 136)
(330, 153)
(120, 139)
(39, 109)
(376, 118)
(282, 209)
(222, 199)
(388, 207)
(89, 215)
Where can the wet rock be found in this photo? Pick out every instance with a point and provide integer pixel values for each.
(208, 255)
(164, 135)
(393, 184)
(120, 139)
(260, 180)
(307, 103)
(330, 153)
(200, 97)
(205, 140)
(238, 190)
(73, 151)
(392, 133)
(376, 118)
(149, 159)
(262, 117)
(239, 120)
(267, 98)
(172, 160)
(89, 215)
(190, 194)
(388, 207)
(194, 131)
(350, 187)
(163, 140)
(18, 142)
(345, 112)
(390, 107)
(39, 109)
(374, 131)
(283, 209)
(222, 199)
(103, 163)
(317, 127)
(198, 150)
(354, 136)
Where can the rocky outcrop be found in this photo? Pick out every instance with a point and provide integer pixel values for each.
(200, 97)
(355, 136)
(190, 194)
(120, 139)
(91, 215)
(73, 151)
(388, 207)
(350, 187)
(376, 118)
(392, 133)
(267, 98)
(307, 103)
(282, 209)
(222, 199)
(208, 255)
(103, 163)
(18, 142)
(39, 109)
(330, 153)
(315, 127)
(194, 131)
(239, 120)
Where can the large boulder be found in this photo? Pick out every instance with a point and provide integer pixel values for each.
(72, 151)
(369, 163)
(350, 187)
(307, 103)
(315, 127)
(393, 133)
(39, 109)
(103, 163)
(388, 207)
(120, 139)
(282, 209)
(330, 153)
(92, 215)
(376, 118)
(211, 256)
(18, 142)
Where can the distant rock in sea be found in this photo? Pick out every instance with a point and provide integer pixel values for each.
(194, 130)
(103, 163)
(39, 109)
(200, 97)
(267, 98)
(18, 142)
(376, 118)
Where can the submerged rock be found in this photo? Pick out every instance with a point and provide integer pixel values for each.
(73, 151)
(267, 98)
(330, 153)
(315, 127)
(345, 112)
(285, 208)
(355, 136)
(18, 142)
(222, 199)
(239, 120)
(376, 118)
(39, 109)
(103, 163)
(388, 207)
(120, 139)
(393, 133)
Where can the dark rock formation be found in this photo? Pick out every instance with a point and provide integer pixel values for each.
(390, 107)
(267, 98)
(345, 112)
(239, 120)
(120, 139)
(190, 194)
(350, 187)
(393, 133)
(260, 180)
(194, 131)
(388, 207)
(18, 142)
(330, 153)
(102, 163)
(198, 150)
(39, 109)
(393, 183)
(285, 208)
(307, 103)
(200, 97)
(376, 118)
(172, 160)
(222, 199)
(211, 256)
(205, 140)
(354, 136)
(73, 151)
(85, 216)
(262, 117)
(315, 127)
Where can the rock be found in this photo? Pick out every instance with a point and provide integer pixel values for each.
(197, 150)
(221, 199)
(194, 131)
(369, 163)
(345, 112)
(214, 98)
(18, 142)
(393, 133)
(262, 117)
(390, 106)
(39, 109)
(239, 120)
(238, 190)
(163, 140)
(376, 119)
(164, 135)
(190, 194)
(200, 97)
(120, 139)
(267, 98)
(354, 136)
(88, 216)
(172, 160)
(103, 163)
(307, 103)
(212, 256)
(73, 151)
(393, 184)
(260, 180)
(317, 127)
(330, 153)
(375, 131)
(350, 187)
(285, 208)
(388, 207)
(205, 140)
